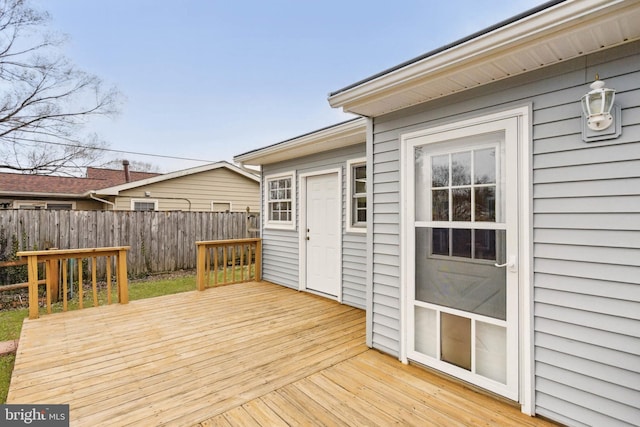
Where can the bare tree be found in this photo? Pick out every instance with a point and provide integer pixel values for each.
(45, 101)
(136, 166)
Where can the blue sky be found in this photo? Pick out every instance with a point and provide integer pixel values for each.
(209, 79)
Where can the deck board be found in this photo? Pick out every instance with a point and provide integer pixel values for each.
(247, 354)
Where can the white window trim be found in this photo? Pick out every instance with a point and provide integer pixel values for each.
(213, 202)
(280, 225)
(350, 228)
(154, 201)
(18, 203)
(62, 202)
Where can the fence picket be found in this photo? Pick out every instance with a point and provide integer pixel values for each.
(159, 241)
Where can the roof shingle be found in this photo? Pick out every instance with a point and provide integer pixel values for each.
(96, 179)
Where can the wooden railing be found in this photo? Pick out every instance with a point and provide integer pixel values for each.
(14, 286)
(52, 260)
(223, 262)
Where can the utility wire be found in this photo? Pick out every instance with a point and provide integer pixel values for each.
(127, 152)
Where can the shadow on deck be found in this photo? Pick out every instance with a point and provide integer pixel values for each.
(244, 354)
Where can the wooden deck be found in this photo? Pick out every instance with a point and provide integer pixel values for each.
(246, 354)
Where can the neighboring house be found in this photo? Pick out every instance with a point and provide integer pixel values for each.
(503, 235)
(217, 186)
(19, 191)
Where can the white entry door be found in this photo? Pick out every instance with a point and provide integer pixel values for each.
(323, 225)
(462, 234)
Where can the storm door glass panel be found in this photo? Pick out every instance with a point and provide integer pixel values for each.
(425, 331)
(491, 355)
(462, 279)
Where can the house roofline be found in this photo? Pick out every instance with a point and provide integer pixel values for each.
(555, 32)
(339, 135)
(450, 45)
(115, 190)
(82, 195)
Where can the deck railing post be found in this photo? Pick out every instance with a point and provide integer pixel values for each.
(201, 267)
(54, 281)
(258, 260)
(32, 268)
(123, 286)
(48, 276)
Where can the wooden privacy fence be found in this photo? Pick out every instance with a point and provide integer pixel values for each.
(223, 262)
(53, 259)
(159, 241)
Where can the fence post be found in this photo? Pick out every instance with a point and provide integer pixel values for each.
(247, 223)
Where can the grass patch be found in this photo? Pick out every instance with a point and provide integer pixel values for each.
(161, 287)
(11, 321)
(6, 367)
(11, 324)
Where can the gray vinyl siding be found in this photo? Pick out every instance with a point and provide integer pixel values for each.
(280, 257)
(586, 233)
(354, 269)
(281, 247)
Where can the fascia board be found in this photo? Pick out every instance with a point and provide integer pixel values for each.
(346, 134)
(521, 34)
(41, 194)
(115, 190)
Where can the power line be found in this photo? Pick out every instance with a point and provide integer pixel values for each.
(127, 152)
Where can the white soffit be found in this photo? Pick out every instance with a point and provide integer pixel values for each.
(565, 31)
(338, 136)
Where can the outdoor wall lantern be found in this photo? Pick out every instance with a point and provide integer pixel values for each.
(602, 119)
(597, 105)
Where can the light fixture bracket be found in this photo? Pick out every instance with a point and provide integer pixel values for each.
(613, 131)
(600, 121)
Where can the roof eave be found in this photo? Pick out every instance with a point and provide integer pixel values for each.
(480, 51)
(82, 195)
(115, 190)
(333, 137)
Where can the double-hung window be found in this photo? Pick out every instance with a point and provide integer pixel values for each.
(357, 195)
(144, 205)
(280, 200)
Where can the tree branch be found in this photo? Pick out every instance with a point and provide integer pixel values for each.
(45, 101)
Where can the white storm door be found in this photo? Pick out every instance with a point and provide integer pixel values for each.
(323, 225)
(463, 235)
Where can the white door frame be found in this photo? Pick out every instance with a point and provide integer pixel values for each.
(302, 232)
(525, 262)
